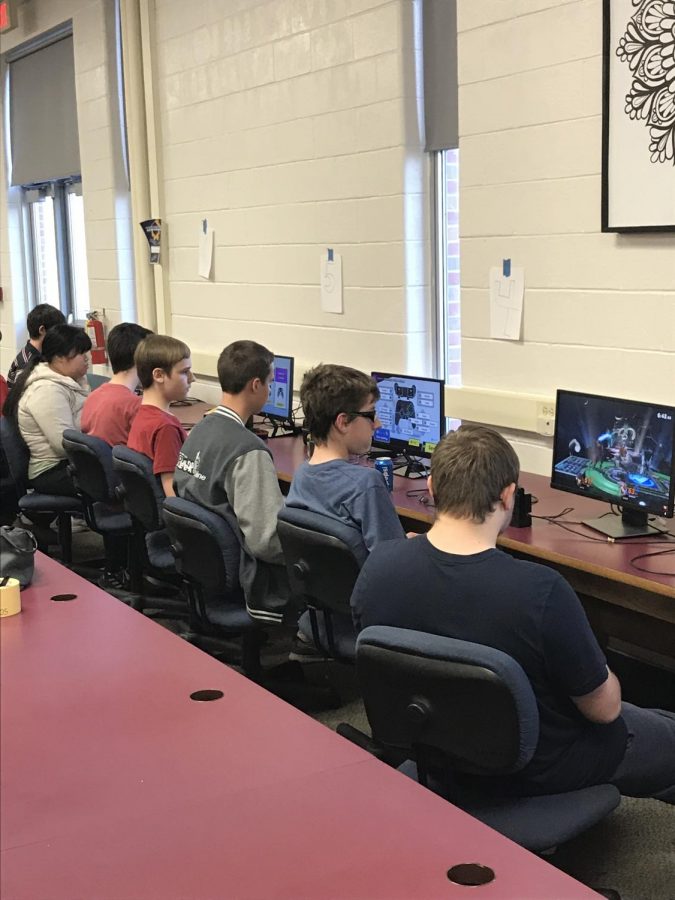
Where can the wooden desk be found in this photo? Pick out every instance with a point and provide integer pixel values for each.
(115, 785)
(622, 603)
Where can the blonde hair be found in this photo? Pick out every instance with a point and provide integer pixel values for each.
(158, 351)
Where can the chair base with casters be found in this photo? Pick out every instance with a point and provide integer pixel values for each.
(454, 708)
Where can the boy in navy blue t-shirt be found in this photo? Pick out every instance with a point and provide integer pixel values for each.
(453, 581)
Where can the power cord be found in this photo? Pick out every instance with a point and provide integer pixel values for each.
(646, 556)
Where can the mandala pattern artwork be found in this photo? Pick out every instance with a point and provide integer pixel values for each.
(648, 47)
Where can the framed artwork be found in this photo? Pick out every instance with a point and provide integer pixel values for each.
(638, 116)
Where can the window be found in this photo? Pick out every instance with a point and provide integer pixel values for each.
(447, 275)
(57, 248)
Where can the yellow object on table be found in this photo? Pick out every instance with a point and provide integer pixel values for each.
(10, 597)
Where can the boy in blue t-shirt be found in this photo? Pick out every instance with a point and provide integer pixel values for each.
(339, 407)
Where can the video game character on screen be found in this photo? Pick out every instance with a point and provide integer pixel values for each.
(620, 451)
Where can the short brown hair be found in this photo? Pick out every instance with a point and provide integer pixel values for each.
(328, 390)
(469, 470)
(158, 351)
(241, 362)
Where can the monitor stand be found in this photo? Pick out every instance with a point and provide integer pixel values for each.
(633, 523)
(415, 466)
(280, 427)
(283, 428)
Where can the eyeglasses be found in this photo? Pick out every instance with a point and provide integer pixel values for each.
(370, 414)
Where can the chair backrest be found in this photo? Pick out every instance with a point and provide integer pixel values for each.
(142, 492)
(322, 569)
(16, 453)
(470, 706)
(206, 548)
(91, 459)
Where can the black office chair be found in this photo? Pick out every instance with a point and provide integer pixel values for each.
(207, 554)
(322, 571)
(36, 506)
(455, 709)
(98, 486)
(143, 496)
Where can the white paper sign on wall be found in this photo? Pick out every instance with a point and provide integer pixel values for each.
(331, 282)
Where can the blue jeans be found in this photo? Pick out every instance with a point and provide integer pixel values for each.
(648, 766)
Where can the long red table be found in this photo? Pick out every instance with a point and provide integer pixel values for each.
(116, 785)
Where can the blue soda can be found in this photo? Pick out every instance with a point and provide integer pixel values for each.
(386, 469)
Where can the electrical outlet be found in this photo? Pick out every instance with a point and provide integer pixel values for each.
(545, 425)
(546, 408)
(545, 417)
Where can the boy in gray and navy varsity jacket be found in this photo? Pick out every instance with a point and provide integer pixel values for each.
(227, 469)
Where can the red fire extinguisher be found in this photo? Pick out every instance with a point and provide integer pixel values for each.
(94, 329)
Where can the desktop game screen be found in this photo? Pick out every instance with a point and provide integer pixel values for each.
(620, 451)
(281, 389)
(411, 412)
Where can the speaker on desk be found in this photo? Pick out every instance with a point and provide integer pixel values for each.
(522, 509)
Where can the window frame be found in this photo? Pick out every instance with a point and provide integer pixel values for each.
(58, 190)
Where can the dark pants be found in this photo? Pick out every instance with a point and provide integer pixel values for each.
(55, 481)
(648, 767)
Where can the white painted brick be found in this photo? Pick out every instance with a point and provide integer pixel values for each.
(91, 84)
(563, 32)
(558, 206)
(578, 262)
(364, 309)
(558, 150)
(309, 14)
(378, 31)
(583, 318)
(292, 56)
(570, 90)
(98, 204)
(474, 15)
(309, 345)
(332, 45)
(542, 368)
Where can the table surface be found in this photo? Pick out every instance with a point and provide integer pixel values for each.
(116, 785)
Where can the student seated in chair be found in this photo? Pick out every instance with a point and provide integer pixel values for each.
(164, 370)
(339, 406)
(38, 322)
(110, 409)
(454, 581)
(47, 398)
(228, 469)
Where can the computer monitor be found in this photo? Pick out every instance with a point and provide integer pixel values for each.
(616, 450)
(279, 405)
(411, 410)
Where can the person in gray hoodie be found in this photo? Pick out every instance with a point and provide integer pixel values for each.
(47, 398)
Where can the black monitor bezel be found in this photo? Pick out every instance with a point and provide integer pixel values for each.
(396, 445)
(623, 503)
(278, 417)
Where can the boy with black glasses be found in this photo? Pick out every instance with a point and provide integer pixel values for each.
(339, 406)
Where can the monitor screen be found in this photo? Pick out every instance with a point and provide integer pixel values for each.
(616, 450)
(280, 399)
(411, 411)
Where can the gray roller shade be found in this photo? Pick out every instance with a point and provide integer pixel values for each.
(440, 74)
(43, 114)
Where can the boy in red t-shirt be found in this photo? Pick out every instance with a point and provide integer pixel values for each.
(165, 372)
(110, 409)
